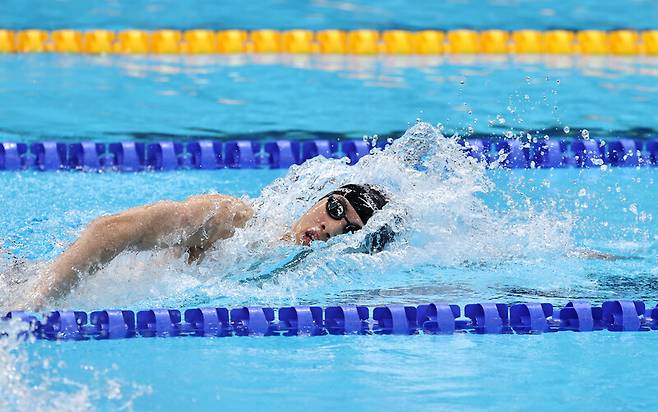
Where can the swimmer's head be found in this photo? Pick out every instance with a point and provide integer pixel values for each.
(346, 209)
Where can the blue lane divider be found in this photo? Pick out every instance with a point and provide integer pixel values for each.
(532, 318)
(356, 149)
(205, 154)
(623, 315)
(623, 152)
(478, 148)
(159, 322)
(587, 153)
(211, 154)
(241, 154)
(86, 156)
(314, 148)
(488, 317)
(346, 320)
(164, 155)
(395, 320)
(113, 324)
(64, 325)
(49, 155)
(432, 318)
(581, 317)
(208, 321)
(253, 321)
(301, 320)
(549, 154)
(516, 154)
(438, 318)
(127, 156)
(652, 152)
(282, 153)
(12, 156)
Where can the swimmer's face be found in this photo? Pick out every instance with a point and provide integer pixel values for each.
(318, 224)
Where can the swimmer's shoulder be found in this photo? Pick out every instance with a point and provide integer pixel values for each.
(237, 210)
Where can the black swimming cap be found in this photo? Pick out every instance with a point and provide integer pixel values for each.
(365, 199)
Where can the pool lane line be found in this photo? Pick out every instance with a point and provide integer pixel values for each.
(395, 319)
(281, 154)
(355, 42)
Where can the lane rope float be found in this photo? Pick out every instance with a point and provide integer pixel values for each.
(360, 42)
(430, 318)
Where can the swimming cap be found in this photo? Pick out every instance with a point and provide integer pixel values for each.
(365, 199)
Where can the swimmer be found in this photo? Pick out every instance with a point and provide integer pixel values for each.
(193, 226)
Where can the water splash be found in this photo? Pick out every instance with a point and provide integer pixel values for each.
(438, 206)
(29, 383)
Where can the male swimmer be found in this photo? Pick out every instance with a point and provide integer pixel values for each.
(193, 226)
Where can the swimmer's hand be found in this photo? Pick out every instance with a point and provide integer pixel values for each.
(193, 225)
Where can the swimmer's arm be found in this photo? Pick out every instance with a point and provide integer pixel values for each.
(193, 224)
(595, 255)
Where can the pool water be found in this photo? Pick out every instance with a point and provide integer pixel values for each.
(331, 14)
(115, 98)
(608, 210)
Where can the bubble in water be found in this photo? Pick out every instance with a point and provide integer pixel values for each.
(633, 208)
(584, 134)
(566, 129)
(509, 134)
(501, 119)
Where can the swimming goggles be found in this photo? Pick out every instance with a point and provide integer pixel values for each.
(336, 210)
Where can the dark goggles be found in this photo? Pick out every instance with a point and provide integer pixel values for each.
(337, 210)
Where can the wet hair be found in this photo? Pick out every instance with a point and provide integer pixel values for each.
(366, 200)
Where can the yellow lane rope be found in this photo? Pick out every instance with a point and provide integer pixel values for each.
(589, 42)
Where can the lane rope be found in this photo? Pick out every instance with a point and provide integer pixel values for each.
(359, 42)
(430, 318)
(279, 154)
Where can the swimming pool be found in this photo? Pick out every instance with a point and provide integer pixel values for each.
(472, 234)
(458, 371)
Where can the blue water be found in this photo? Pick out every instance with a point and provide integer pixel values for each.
(585, 372)
(319, 14)
(371, 372)
(122, 98)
